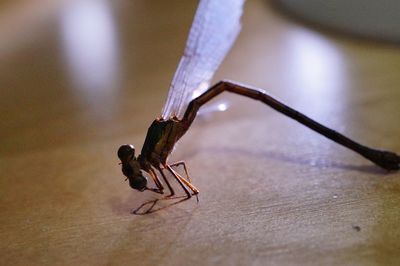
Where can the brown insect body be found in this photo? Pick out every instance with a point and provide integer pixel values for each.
(160, 141)
(161, 138)
(213, 32)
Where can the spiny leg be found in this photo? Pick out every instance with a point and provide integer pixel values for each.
(152, 203)
(187, 182)
(166, 181)
(156, 181)
(184, 181)
(184, 167)
(385, 159)
(179, 179)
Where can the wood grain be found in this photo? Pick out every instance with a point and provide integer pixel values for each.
(271, 191)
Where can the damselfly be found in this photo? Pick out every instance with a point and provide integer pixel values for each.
(215, 27)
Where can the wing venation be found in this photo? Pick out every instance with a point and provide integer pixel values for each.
(214, 29)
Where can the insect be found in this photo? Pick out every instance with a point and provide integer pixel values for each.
(215, 27)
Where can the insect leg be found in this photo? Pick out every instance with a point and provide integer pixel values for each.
(157, 181)
(181, 181)
(193, 188)
(166, 181)
(385, 159)
(184, 167)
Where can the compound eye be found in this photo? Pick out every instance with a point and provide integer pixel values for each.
(126, 152)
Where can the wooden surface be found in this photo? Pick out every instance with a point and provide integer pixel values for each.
(78, 80)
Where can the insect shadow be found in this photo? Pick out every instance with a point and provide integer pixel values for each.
(293, 159)
(153, 203)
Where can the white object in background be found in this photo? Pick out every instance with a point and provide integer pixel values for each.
(363, 18)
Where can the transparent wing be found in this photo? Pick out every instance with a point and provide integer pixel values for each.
(215, 27)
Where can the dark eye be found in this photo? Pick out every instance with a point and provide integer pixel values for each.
(125, 152)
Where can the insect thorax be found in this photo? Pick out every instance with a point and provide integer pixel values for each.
(160, 140)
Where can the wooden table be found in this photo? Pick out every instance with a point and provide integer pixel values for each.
(78, 79)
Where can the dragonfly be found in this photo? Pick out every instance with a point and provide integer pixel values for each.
(215, 28)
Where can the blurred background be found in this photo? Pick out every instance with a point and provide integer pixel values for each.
(80, 77)
(374, 20)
